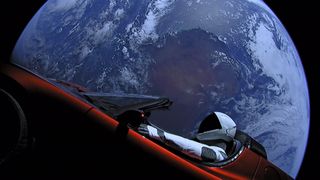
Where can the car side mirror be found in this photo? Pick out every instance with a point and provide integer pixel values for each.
(132, 118)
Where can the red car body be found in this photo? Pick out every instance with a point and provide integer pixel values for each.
(68, 137)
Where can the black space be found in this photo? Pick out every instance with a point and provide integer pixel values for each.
(299, 17)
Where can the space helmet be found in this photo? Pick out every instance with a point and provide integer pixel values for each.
(217, 126)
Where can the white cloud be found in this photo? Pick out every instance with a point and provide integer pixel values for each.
(103, 32)
(119, 14)
(125, 52)
(262, 4)
(62, 5)
(129, 77)
(156, 10)
(284, 66)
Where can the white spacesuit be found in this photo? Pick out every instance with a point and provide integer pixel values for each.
(217, 126)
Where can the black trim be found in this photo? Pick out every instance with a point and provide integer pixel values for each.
(252, 144)
(14, 128)
(238, 149)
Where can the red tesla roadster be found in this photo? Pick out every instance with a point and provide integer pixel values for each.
(51, 129)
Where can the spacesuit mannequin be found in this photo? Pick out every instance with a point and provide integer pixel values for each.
(218, 126)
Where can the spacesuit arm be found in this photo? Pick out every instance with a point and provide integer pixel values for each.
(188, 147)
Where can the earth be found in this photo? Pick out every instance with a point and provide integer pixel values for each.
(232, 56)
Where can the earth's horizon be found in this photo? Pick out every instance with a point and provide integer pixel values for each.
(232, 56)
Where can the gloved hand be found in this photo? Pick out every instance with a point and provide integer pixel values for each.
(143, 129)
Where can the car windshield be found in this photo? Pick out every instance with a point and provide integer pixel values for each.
(165, 112)
(115, 104)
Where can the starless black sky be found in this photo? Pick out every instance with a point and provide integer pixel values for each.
(299, 17)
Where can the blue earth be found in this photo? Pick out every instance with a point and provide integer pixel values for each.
(232, 56)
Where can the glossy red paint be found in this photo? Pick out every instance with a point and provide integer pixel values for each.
(151, 147)
(248, 165)
(267, 170)
(33, 84)
(242, 168)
